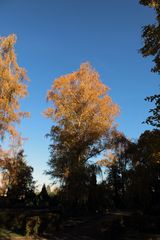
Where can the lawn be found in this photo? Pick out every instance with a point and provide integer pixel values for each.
(8, 235)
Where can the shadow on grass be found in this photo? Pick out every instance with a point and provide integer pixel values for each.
(141, 236)
(4, 234)
(8, 235)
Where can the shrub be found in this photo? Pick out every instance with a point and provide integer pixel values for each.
(33, 225)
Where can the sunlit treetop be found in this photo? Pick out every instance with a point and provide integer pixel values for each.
(150, 3)
(80, 100)
(12, 87)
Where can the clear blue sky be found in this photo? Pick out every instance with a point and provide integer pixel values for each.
(56, 36)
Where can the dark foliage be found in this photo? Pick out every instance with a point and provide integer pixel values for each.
(151, 47)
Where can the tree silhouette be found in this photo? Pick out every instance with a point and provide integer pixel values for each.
(144, 187)
(117, 164)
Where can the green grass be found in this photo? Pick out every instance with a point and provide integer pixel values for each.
(4, 234)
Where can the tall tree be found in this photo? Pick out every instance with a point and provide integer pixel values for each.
(151, 38)
(12, 87)
(84, 115)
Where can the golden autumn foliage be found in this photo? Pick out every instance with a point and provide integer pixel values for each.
(150, 3)
(12, 88)
(81, 99)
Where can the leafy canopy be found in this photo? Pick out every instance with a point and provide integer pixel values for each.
(81, 99)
